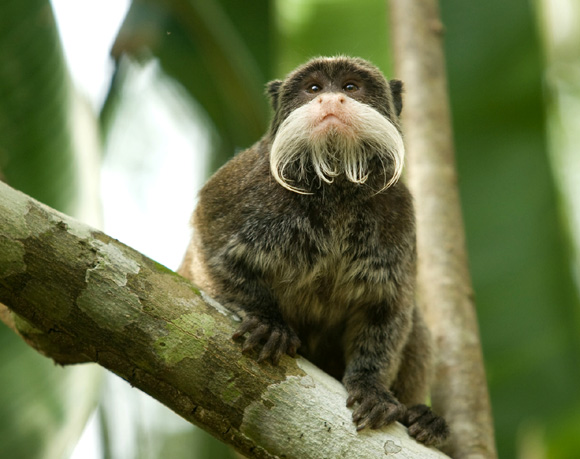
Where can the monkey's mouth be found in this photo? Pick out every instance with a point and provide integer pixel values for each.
(330, 127)
(330, 120)
(330, 117)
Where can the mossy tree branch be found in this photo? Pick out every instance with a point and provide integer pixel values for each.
(444, 285)
(80, 296)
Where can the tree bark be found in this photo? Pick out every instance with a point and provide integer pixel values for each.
(444, 286)
(80, 296)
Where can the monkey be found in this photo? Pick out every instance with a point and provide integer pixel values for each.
(310, 236)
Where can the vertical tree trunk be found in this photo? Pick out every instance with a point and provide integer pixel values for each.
(459, 392)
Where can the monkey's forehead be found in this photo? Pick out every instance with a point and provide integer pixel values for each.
(337, 66)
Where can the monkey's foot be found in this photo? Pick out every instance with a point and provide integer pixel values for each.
(376, 406)
(425, 426)
(274, 338)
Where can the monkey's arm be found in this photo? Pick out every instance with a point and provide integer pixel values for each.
(243, 287)
(380, 328)
(387, 357)
(378, 335)
(235, 239)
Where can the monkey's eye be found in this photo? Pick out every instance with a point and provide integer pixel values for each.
(350, 87)
(314, 88)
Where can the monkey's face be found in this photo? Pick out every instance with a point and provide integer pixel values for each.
(335, 116)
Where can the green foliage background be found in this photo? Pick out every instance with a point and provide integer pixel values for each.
(223, 52)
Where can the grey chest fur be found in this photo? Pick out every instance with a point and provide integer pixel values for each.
(322, 265)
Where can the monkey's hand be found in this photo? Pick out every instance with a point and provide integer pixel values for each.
(275, 337)
(425, 426)
(377, 407)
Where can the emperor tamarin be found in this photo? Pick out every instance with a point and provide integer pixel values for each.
(310, 235)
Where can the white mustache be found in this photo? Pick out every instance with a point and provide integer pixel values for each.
(359, 134)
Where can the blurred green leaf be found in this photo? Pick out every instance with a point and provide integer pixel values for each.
(202, 45)
(36, 154)
(43, 408)
(310, 28)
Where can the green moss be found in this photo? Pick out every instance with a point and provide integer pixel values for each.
(162, 268)
(186, 337)
(178, 345)
(12, 257)
(229, 393)
(13, 208)
(24, 326)
(165, 270)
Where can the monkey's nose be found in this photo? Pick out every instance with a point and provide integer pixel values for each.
(330, 98)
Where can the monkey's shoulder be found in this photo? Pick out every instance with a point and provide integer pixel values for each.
(242, 173)
(236, 182)
(396, 210)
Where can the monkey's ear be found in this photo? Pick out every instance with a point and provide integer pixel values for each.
(273, 90)
(397, 91)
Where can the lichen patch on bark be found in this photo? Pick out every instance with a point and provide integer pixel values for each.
(13, 208)
(106, 284)
(178, 344)
(13, 257)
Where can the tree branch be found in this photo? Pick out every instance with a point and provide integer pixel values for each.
(444, 285)
(83, 296)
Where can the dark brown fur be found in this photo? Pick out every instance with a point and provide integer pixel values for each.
(330, 273)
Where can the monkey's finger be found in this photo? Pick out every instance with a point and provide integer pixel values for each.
(350, 401)
(414, 413)
(440, 427)
(361, 425)
(427, 427)
(377, 417)
(247, 325)
(280, 349)
(359, 416)
(422, 435)
(293, 345)
(361, 421)
(271, 347)
(438, 432)
(364, 408)
(255, 338)
(385, 416)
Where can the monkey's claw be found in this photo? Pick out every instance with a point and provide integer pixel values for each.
(425, 426)
(376, 407)
(274, 338)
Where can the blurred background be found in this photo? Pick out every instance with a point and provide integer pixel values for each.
(116, 111)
